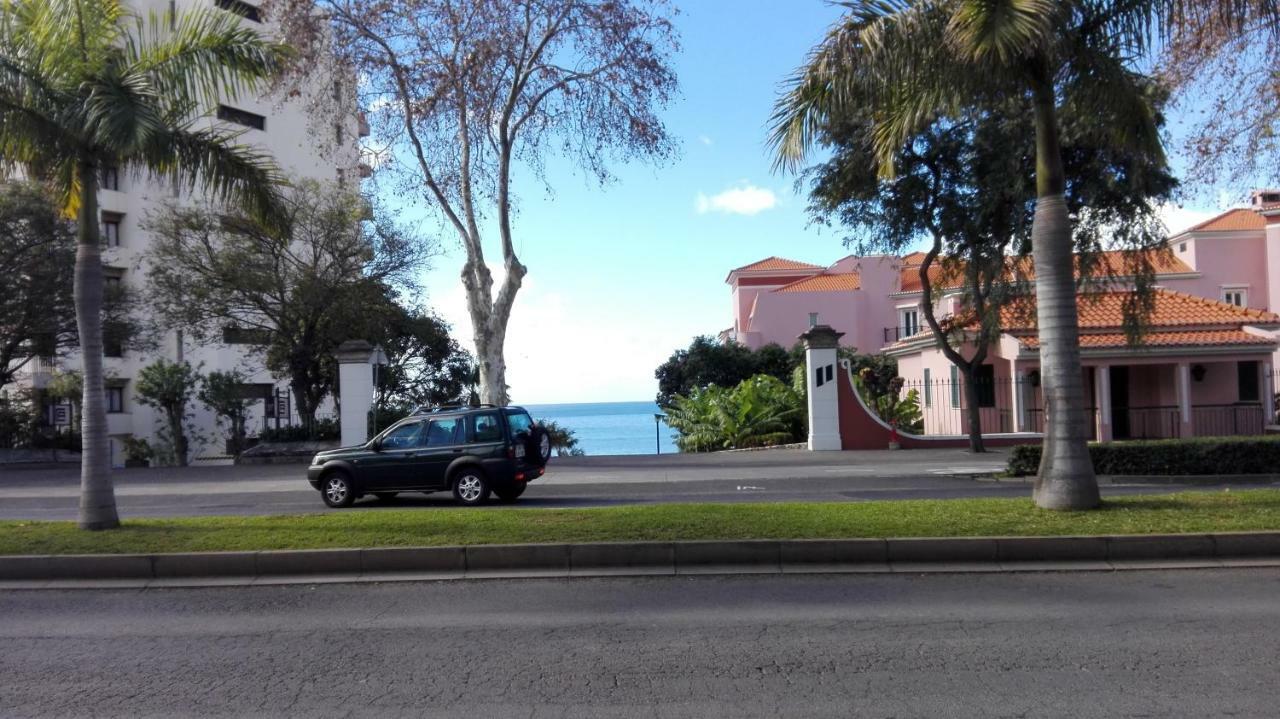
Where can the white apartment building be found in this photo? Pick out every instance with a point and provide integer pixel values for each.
(285, 130)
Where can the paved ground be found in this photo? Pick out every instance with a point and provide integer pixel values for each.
(779, 475)
(1167, 644)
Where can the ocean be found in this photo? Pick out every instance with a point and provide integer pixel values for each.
(610, 427)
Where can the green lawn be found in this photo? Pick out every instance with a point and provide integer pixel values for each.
(1185, 512)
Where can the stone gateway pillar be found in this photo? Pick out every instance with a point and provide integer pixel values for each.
(822, 364)
(355, 387)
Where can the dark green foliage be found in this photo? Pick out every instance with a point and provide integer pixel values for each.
(1202, 455)
(707, 362)
(563, 440)
(759, 412)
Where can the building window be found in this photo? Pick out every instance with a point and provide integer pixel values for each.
(1247, 381)
(955, 386)
(111, 229)
(115, 400)
(928, 389)
(112, 340)
(910, 322)
(813, 319)
(113, 283)
(1182, 247)
(245, 336)
(1235, 296)
(984, 380)
(109, 178)
(227, 113)
(241, 8)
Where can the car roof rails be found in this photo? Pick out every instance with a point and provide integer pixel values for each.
(451, 408)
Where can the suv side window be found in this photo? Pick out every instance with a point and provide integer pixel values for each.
(444, 432)
(485, 428)
(402, 437)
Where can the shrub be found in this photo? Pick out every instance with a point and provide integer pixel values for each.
(1201, 455)
(563, 440)
(758, 412)
(321, 430)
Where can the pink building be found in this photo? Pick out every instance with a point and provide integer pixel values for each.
(1203, 367)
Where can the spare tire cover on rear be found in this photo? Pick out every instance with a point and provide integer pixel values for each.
(537, 446)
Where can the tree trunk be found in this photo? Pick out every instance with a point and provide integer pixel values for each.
(493, 371)
(1066, 479)
(973, 412)
(178, 436)
(97, 496)
(303, 405)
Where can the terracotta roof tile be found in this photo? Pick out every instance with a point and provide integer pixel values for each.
(1237, 219)
(824, 282)
(1104, 310)
(1204, 338)
(1113, 263)
(776, 263)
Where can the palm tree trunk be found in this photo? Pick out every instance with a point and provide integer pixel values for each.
(97, 496)
(1066, 479)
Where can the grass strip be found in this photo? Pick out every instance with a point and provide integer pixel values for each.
(1188, 512)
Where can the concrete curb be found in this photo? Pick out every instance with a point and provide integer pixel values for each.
(651, 558)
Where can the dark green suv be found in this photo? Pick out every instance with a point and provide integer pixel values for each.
(470, 451)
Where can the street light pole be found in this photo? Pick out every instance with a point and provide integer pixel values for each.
(657, 437)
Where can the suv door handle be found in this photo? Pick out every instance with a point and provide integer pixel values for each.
(457, 450)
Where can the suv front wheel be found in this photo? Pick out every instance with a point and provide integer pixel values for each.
(336, 489)
(470, 487)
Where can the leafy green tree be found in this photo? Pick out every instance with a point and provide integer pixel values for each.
(427, 366)
(707, 361)
(297, 295)
(910, 62)
(223, 392)
(965, 186)
(170, 387)
(85, 86)
(37, 257)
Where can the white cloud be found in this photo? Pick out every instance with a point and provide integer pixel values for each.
(705, 140)
(744, 199)
(1176, 219)
(561, 350)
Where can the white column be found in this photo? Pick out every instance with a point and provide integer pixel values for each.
(1018, 393)
(1102, 388)
(1184, 397)
(822, 365)
(355, 387)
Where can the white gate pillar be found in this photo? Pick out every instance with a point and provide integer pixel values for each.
(355, 387)
(822, 364)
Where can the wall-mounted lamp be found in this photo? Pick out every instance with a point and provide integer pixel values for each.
(1197, 372)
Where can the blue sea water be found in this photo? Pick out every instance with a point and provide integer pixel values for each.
(610, 427)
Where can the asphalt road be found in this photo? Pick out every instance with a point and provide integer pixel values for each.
(1192, 643)
(778, 475)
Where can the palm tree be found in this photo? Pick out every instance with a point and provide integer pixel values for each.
(85, 86)
(913, 61)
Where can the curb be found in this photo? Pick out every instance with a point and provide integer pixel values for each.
(651, 558)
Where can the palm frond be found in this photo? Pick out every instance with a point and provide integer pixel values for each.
(1004, 30)
(225, 169)
(208, 57)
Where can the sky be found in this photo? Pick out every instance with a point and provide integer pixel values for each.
(621, 276)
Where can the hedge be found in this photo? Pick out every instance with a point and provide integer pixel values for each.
(1202, 455)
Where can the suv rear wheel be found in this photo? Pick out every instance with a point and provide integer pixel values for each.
(470, 487)
(336, 489)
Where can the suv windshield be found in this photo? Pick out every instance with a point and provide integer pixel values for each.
(519, 421)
